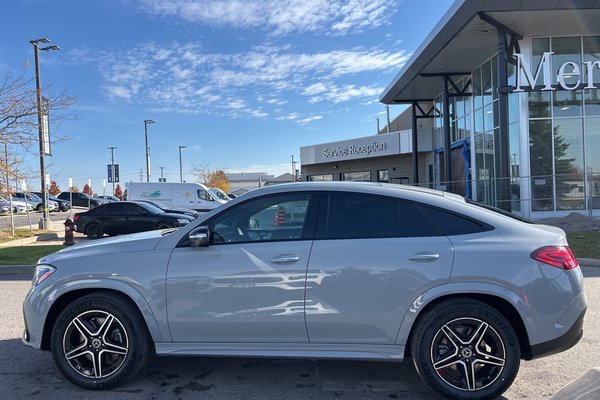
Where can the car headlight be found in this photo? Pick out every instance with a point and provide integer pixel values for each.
(42, 272)
(183, 221)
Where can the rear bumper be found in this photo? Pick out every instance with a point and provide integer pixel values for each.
(561, 343)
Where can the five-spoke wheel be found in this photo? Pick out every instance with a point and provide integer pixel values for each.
(464, 348)
(100, 340)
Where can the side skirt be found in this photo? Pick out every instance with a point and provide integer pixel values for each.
(284, 350)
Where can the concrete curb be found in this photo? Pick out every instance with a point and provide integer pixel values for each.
(589, 262)
(17, 269)
(29, 240)
(587, 386)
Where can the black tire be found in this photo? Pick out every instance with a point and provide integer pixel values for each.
(107, 329)
(39, 208)
(460, 335)
(164, 225)
(94, 231)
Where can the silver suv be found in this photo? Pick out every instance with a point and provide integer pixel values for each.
(317, 270)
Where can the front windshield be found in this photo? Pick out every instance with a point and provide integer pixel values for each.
(220, 194)
(151, 208)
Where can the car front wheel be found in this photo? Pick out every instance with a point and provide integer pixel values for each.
(463, 348)
(100, 341)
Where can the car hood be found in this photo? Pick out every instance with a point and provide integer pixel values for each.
(142, 241)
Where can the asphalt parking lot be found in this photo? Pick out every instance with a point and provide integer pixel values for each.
(26, 373)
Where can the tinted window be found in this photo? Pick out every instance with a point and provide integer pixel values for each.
(450, 223)
(354, 215)
(270, 218)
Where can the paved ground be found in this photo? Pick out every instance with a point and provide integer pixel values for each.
(26, 373)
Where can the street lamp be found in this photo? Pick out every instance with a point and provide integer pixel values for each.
(180, 166)
(38, 86)
(146, 123)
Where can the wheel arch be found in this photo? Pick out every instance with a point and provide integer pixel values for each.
(68, 297)
(503, 305)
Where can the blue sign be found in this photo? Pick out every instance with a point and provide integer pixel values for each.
(110, 173)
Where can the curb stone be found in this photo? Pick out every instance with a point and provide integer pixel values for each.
(29, 240)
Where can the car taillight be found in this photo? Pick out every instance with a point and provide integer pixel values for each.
(75, 217)
(556, 256)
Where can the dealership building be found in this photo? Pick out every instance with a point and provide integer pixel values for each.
(503, 108)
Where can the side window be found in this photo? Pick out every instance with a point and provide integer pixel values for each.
(270, 218)
(126, 208)
(451, 224)
(355, 215)
(203, 195)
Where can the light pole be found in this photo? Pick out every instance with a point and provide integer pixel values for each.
(180, 165)
(146, 123)
(112, 167)
(38, 86)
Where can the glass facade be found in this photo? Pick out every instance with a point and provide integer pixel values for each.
(564, 131)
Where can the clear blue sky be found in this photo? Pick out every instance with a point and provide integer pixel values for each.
(242, 83)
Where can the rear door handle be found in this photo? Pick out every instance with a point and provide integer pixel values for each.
(423, 256)
(285, 258)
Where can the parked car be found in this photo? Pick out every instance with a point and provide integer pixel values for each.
(63, 205)
(361, 271)
(81, 199)
(108, 197)
(220, 194)
(19, 205)
(36, 201)
(184, 211)
(118, 218)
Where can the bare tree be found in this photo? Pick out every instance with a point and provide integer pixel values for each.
(18, 110)
(19, 118)
(211, 177)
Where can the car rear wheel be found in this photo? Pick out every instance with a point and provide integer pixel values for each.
(463, 348)
(100, 341)
(39, 208)
(163, 225)
(94, 231)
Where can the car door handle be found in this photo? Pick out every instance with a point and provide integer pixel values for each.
(285, 258)
(423, 256)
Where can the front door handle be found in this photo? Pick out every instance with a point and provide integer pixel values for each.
(423, 256)
(285, 258)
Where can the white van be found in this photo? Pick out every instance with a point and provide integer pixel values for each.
(185, 195)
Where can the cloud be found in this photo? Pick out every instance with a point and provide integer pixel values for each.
(278, 17)
(263, 80)
(308, 120)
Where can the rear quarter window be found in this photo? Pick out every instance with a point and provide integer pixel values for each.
(451, 224)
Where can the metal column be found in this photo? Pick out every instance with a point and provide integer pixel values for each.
(503, 173)
(415, 145)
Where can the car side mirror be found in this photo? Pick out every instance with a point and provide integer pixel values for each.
(199, 237)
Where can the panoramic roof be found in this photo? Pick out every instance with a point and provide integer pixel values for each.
(462, 41)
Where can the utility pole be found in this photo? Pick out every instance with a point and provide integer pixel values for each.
(378, 125)
(161, 174)
(112, 167)
(387, 109)
(141, 175)
(146, 123)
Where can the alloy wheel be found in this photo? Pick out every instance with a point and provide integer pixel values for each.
(468, 354)
(95, 344)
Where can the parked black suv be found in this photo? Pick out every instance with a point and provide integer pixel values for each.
(81, 199)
